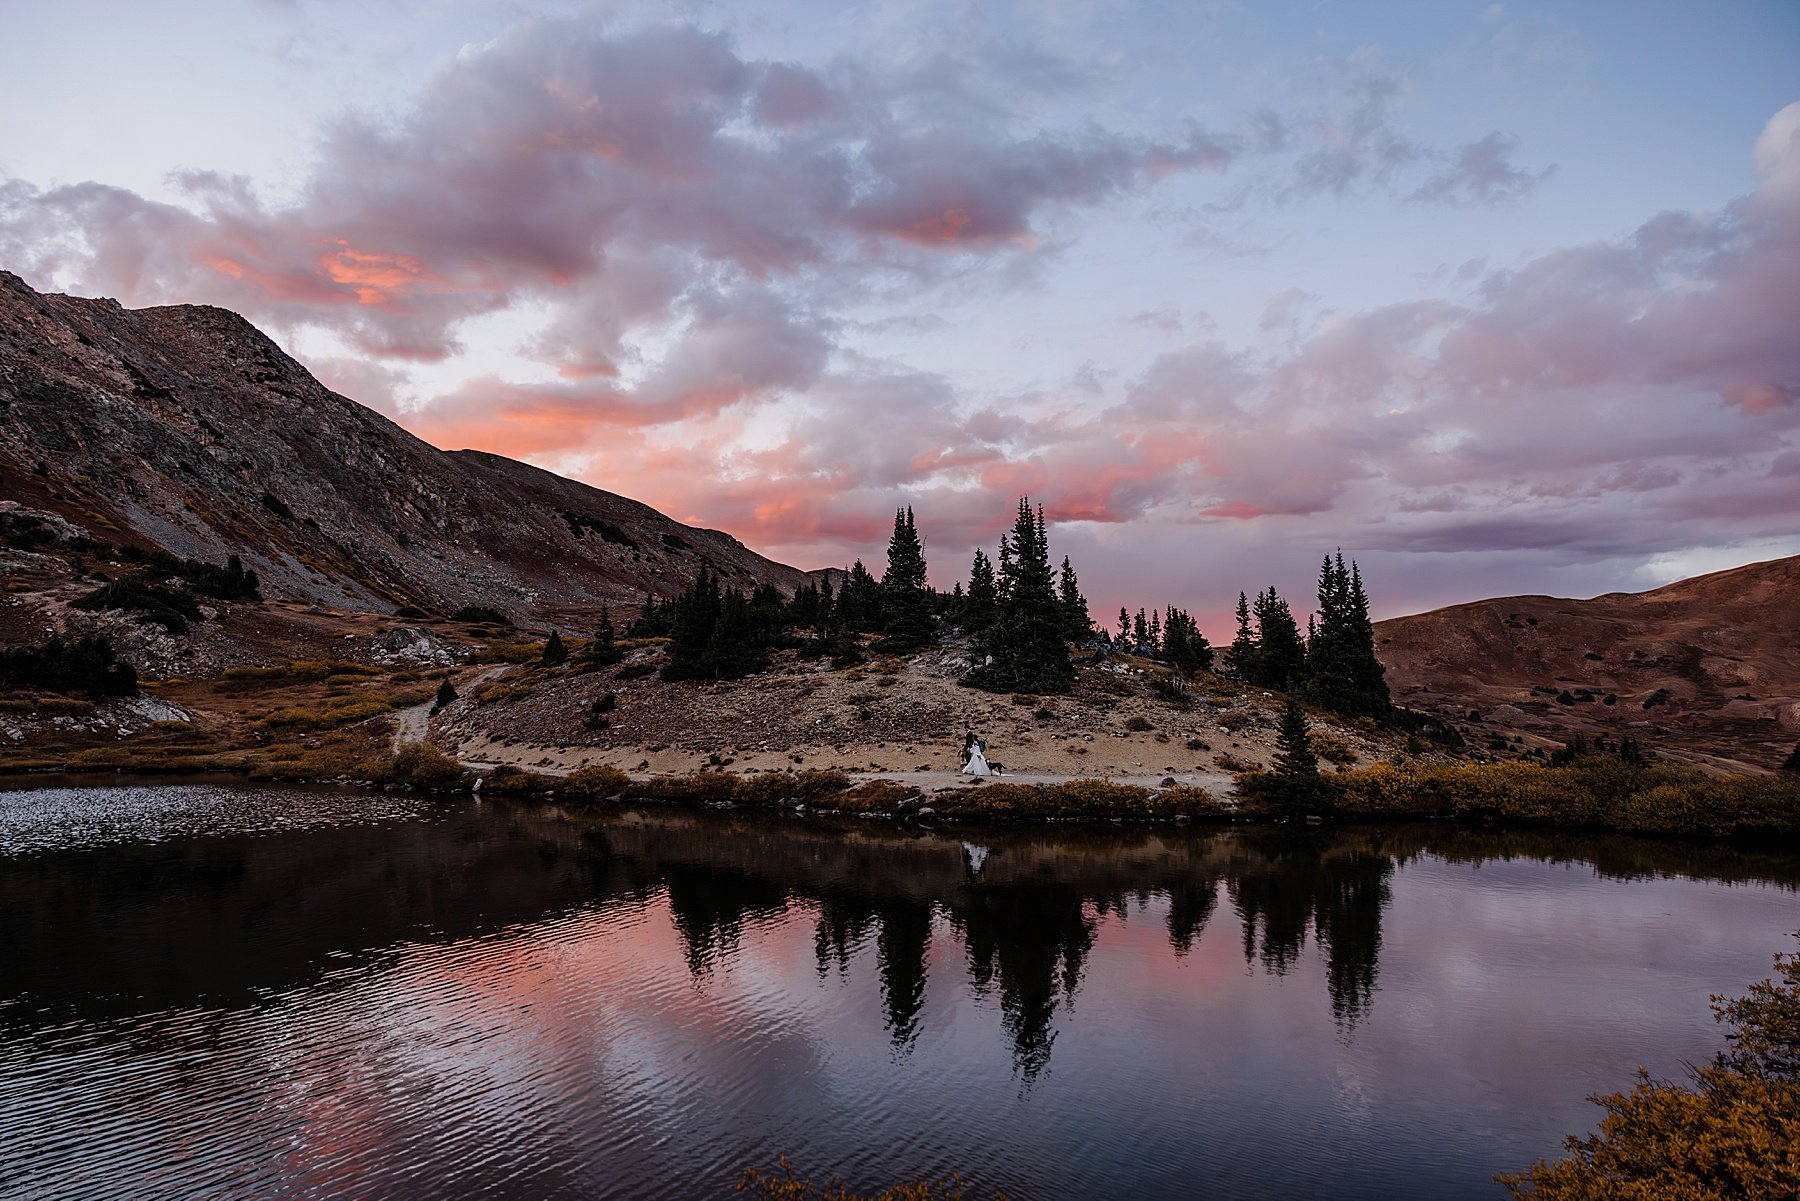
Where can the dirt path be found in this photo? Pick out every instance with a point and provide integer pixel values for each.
(412, 725)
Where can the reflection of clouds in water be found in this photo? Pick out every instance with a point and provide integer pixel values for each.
(690, 996)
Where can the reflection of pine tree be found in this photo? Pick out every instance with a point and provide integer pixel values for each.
(708, 906)
(1191, 905)
(844, 922)
(1353, 892)
(904, 941)
(1277, 906)
(1341, 894)
(1035, 940)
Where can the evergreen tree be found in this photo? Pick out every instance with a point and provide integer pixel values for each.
(1184, 645)
(803, 610)
(1156, 634)
(446, 694)
(1124, 627)
(1280, 655)
(1241, 655)
(554, 651)
(1372, 687)
(731, 651)
(984, 596)
(1140, 632)
(1792, 762)
(905, 603)
(859, 601)
(1079, 627)
(1297, 787)
(1331, 669)
(696, 612)
(1027, 644)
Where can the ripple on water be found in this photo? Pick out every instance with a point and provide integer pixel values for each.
(56, 819)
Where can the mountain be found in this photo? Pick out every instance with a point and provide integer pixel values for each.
(184, 428)
(1706, 669)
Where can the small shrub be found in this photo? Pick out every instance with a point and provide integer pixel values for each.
(596, 781)
(634, 671)
(423, 766)
(87, 665)
(1198, 744)
(514, 782)
(1138, 724)
(1044, 713)
(1232, 763)
(493, 694)
(170, 608)
(1331, 748)
(62, 706)
(876, 796)
(482, 615)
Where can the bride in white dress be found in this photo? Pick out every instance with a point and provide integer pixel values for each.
(977, 764)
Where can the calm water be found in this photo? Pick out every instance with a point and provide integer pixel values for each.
(227, 992)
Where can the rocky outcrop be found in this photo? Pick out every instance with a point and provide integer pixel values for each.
(187, 429)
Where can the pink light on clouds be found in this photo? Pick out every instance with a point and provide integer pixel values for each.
(751, 290)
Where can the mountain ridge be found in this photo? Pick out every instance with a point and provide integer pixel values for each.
(185, 428)
(1708, 666)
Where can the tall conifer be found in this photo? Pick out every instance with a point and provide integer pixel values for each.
(1027, 644)
(905, 604)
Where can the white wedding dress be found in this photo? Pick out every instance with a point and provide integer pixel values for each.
(977, 764)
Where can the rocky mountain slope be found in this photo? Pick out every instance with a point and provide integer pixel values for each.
(1706, 669)
(186, 429)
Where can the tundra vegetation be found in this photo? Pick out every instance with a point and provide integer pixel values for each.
(1728, 1132)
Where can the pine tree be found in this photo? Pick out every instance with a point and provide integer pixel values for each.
(602, 648)
(984, 596)
(905, 603)
(446, 694)
(1184, 645)
(1280, 655)
(1298, 789)
(859, 601)
(731, 651)
(1241, 655)
(696, 613)
(1792, 762)
(1372, 688)
(1156, 634)
(1140, 631)
(1124, 627)
(1027, 646)
(554, 651)
(1079, 627)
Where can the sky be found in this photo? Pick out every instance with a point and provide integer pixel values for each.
(1497, 298)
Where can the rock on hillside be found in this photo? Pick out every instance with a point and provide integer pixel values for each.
(185, 428)
(1707, 669)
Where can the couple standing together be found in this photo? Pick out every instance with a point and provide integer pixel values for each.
(974, 755)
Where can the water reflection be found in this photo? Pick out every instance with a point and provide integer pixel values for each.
(647, 1000)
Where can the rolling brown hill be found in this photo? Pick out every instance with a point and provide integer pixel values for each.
(184, 428)
(1706, 669)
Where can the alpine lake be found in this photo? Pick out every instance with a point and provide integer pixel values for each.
(212, 990)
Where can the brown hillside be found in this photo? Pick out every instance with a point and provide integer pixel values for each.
(1706, 669)
(185, 428)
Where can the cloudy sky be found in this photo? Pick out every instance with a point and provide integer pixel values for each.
(1497, 297)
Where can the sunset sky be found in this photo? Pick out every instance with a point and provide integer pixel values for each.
(1498, 298)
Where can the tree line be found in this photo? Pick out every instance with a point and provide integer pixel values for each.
(1022, 616)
